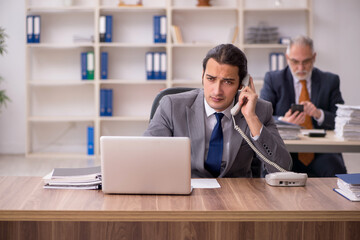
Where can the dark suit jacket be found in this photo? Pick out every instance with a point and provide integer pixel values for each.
(325, 93)
(183, 115)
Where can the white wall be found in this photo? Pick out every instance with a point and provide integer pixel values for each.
(336, 35)
(12, 69)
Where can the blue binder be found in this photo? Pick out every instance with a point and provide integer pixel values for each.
(156, 23)
(108, 32)
(84, 65)
(109, 102)
(102, 102)
(36, 28)
(29, 29)
(163, 29)
(149, 65)
(273, 62)
(104, 65)
(90, 140)
(156, 64)
(350, 178)
(163, 65)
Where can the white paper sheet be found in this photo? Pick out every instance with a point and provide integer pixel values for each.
(205, 183)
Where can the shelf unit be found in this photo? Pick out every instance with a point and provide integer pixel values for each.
(60, 105)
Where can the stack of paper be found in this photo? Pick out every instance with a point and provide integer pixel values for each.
(288, 131)
(347, 122)
(349, 186)
(74, 178)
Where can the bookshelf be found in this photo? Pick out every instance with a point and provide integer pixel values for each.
(60, 105)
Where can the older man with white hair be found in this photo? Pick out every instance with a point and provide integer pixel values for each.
(319, 92)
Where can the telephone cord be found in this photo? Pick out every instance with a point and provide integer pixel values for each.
(236, 127)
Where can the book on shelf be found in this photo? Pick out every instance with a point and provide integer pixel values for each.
(106, 102)
(163, 65)
(155, 65)
(105, 28)
(87, 65)
(160, 30)
(90, 140)
(73, 178)
(33, 28)
(104, 65)
(276, 61)
(109, 28)
(109, 102)
(84, 65)
(102, 28)
(349, 186)
(176, 34)
(90, 65)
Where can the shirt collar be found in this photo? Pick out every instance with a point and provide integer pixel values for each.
(297, 81)
(209, 110)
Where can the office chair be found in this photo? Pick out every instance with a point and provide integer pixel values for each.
(164, 92)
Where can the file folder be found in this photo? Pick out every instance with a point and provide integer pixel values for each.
(90, 66)
(108, 35)
(156, 23)
(156, 65)
(84, 65)
(36, 28)
(29, 29)
(102, 28)
(163, 29)
(109, 102)
(149, 66)
(90, 140)
(104, 65)
(273, 62)
(163, 65)
(102, 102)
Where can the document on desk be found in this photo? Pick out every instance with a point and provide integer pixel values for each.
(204, 183)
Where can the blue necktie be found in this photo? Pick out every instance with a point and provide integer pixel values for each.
(214, 157)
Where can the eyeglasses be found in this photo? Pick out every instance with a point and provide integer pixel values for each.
(304, 63)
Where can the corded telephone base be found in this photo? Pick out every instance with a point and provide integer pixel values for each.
(286, 179)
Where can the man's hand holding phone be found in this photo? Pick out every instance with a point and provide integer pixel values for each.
(294, 116)
(247, 100)
(311, 110)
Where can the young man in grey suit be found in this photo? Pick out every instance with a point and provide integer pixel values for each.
(195, 114)
(285, 87)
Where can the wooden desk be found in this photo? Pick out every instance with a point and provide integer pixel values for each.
(327, 144)
(240, 209)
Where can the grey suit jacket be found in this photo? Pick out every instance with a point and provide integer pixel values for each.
(183, 115)
(325, 93)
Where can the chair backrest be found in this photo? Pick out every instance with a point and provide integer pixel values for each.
(164, 92)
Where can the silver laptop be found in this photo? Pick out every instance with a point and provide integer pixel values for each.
(145, 165)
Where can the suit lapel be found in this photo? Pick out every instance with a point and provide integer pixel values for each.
(315, 87)
(291, 88)
(235, 138)
(195, 122)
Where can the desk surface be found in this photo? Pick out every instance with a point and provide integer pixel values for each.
(327, 144)
(23, 198)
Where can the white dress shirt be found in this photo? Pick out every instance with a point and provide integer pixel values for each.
(227, 126)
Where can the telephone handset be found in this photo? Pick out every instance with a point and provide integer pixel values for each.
(282, 178)
(245, 82)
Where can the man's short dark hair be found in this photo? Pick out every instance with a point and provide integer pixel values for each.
(228, 54)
